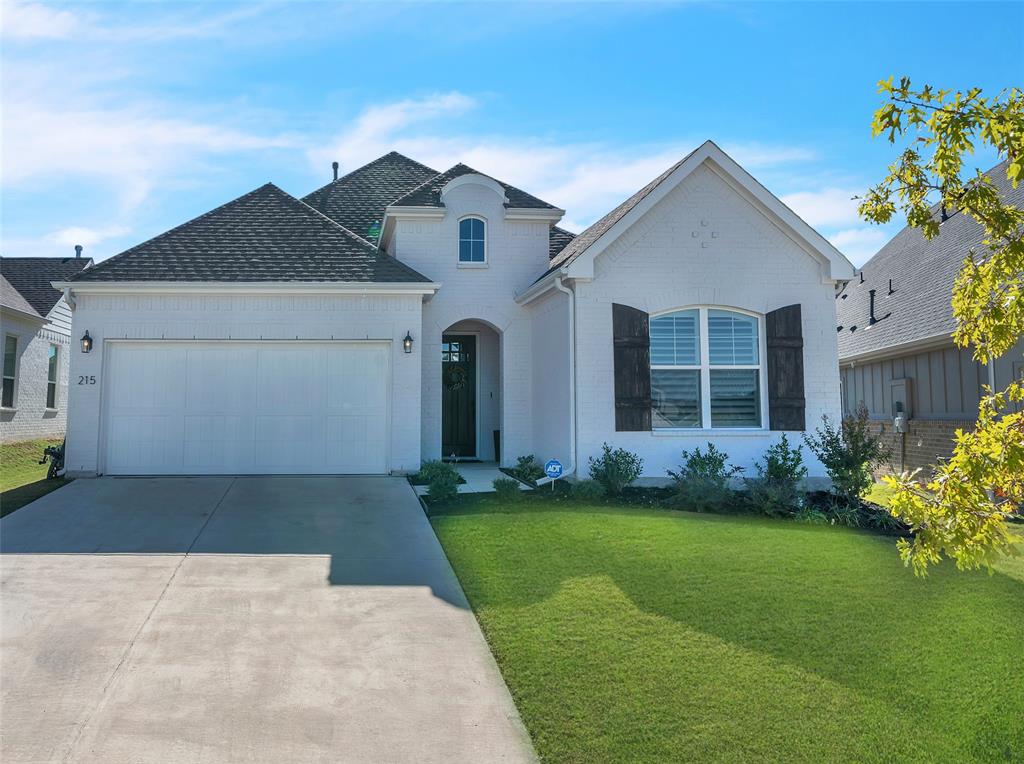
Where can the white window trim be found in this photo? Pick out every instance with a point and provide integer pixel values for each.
(17, 365)
(458, 230)
(56, 381)
(705, 368)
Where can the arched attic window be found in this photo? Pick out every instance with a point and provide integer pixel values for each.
(472, 240)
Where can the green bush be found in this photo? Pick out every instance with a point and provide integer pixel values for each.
(810, 515)
(527, 469)
(588, 490)
(432, 468)
(841, 513)
(849, 453)
(507, 489)
(615, 470)
(777, 489)
(443, 486)
(702, 482)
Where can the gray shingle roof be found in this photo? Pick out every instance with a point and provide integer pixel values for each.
(558, 239)
(31, 277)
(428, 194)
(588, 236)
(357, 200)
(265, 235)
(12, 298)
(922, 274)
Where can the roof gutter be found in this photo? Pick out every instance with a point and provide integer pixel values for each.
(541, 286)
(571, 469)
(246, 287)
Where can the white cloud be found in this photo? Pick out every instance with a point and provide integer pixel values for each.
(87, 237)
(586, 179)
(859, 244)
(825, 207)
(37, 21)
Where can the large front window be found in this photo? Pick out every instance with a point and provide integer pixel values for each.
(705, 369)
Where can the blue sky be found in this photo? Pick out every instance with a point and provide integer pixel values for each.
(122, 120)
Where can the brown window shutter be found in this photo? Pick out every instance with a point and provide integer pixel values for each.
(785, 343)
(632, 348)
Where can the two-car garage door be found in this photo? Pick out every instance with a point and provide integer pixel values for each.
(228, 407)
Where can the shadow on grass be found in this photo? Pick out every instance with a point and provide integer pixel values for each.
(832, 601)
(16, 498)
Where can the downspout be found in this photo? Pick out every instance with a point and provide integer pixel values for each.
(571, 469)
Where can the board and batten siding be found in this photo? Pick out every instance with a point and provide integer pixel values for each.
(946, 382)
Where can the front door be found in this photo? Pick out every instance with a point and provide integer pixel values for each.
(458, 396)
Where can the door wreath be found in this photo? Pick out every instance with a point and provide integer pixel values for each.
(455, 378)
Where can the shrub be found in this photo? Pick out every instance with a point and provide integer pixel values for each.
(776, 491)
(507, 489)
(810, 515)
(615, 470)
(442, 488)
(849, 453)
(432, 468)
(702, 482)
(527, 469)
(588, 490)
(841, 513)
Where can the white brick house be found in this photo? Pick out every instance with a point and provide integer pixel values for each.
(36, 331)
(400, 314)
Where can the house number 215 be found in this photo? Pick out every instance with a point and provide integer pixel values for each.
(87, 379)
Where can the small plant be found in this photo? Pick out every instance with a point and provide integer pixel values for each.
(776, 491)
(810, 515)
(588, 490)
(849, 453)
(702, 482)
(527, 469)
(442, 488)
(507, 489)
(615, 470)
(841, 513)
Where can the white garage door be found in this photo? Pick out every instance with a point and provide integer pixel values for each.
(246, 408)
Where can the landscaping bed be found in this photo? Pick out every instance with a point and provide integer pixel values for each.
(22, 477)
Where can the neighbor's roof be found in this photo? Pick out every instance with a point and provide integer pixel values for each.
(12, 298)
(357, 200)
(265, 235)
(922, 274)
(428, 194)
(31, 277)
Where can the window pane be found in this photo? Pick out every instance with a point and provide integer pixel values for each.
(477, 228)
(465, 229)
(8, 396)
(735, 398)
(675, 398)
(51, 395)
(465, 251)
(732, 338)
(478, 251)
(10, 355)
(675, 339)
(51, 373)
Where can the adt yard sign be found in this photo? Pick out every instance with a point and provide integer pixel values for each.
(553, 469)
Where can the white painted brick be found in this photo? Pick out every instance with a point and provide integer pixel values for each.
(31, 420)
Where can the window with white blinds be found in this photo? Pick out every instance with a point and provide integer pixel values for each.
(706, 369)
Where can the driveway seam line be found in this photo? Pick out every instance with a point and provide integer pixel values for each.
(131, 642)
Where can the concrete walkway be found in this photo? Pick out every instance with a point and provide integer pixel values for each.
(257, 619)
(479, 477)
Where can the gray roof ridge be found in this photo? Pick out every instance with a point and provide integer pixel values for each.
(372, 162)
(428, 181)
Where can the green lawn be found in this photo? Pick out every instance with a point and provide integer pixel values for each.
(631, 635)
(22, 478)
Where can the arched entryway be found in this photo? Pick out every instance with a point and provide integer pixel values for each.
(471, 391)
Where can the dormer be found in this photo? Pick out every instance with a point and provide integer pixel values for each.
(472, 196)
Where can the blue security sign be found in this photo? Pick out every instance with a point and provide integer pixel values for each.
(553, 469)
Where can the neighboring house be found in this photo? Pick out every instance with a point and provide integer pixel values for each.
(896, 351)
(400, 314)
(36, 331)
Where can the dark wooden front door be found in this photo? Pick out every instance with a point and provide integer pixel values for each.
(458, 395)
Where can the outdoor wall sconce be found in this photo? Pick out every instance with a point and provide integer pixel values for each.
(86, 342)
(407, 343)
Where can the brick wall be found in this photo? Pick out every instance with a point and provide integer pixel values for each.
(926, 443)
(30, 419)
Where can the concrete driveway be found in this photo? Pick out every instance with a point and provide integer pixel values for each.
(256, 619)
